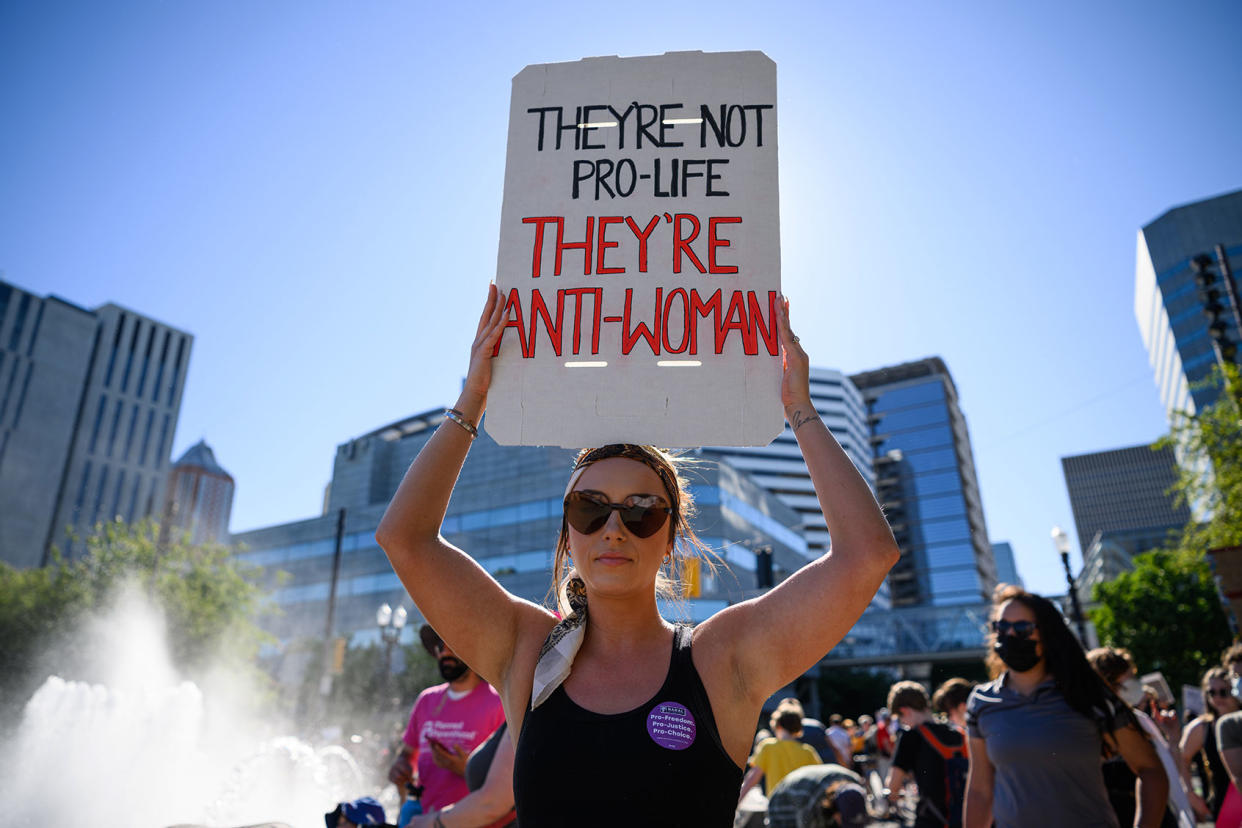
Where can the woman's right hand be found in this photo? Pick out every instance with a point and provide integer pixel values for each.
(486, 339)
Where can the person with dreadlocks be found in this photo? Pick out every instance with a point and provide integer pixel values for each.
(619, 715)
(1040, 731)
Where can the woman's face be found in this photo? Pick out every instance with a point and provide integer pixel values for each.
(1220, 696)
(1014, 612)
(613, 561)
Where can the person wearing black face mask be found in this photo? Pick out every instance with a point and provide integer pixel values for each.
(448, 721)
(1040, 730)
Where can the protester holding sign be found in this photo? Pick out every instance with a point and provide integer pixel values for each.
(625, 718)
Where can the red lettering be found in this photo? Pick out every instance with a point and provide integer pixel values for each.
(680, 244)
(536, 259)
(642, 236)
(735, 320)
(603, 245)
(756, 320)
(713, 243)
(538, 308)
(700, 308)
(578, 294)
(628, 337)
(687, 319)
(513, 319)
(584, 246)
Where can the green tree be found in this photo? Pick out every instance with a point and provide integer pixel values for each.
(1166, 612)
(210, 601)
(1211, 439)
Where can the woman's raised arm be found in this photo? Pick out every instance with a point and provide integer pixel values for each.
(778, 636)
(474, 615)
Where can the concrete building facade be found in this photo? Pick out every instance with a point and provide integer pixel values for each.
(200, 497)
(1123, 493)
(88, 406)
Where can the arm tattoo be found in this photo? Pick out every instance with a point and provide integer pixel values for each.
(799, 419)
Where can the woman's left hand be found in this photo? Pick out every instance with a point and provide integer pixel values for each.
(795, 364)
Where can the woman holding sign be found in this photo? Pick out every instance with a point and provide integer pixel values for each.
(619, 715)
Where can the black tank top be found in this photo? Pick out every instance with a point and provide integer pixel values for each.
(1217, 782)
(660, 764)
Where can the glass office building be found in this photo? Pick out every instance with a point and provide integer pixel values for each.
(1167, 305)
(925, 479)
(505, 512)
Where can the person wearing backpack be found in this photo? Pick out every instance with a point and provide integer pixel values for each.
(932, 754)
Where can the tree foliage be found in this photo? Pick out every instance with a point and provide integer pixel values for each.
(209, 599)
(1167, 613)
(1209, 445)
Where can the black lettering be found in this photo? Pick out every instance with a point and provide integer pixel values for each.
(664, 141)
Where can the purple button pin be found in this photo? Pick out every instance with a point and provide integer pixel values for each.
(671, 726)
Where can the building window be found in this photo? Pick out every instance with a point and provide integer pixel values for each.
(146, 363)
(34, 333)
(99, 493)
(146, 437)
(133, 499)
(23, 308)
(172, 386)
(129, 358)
(161, 448)
(8, 388)
(129, 436)
(21, 396)
(159, 374)
(6, 293)
(116, 422)
(99, 412)
(77, 501)
(115, 512)
(116, 344)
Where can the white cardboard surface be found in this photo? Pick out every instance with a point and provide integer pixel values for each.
(607, 384)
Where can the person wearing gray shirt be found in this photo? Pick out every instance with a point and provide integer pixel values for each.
(1038, 732)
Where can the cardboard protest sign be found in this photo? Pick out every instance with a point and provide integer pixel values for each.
(639, 254)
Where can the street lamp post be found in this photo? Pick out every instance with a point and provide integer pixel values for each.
(1061, 542)
(390, 623)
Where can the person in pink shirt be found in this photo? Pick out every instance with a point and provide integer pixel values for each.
(448, 721)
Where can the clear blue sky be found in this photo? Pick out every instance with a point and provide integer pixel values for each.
(313, 190)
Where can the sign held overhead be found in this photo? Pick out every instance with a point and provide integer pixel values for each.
(639, 257)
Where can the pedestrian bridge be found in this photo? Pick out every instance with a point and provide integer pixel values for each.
(914, 634)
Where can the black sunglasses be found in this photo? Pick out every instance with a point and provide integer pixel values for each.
(643, 515)
(1219, 693)
(1022, 629)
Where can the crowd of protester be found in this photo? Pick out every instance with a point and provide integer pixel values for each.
(1059, 736)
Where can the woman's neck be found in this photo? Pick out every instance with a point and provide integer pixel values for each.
(1025, 683)
(615, 625)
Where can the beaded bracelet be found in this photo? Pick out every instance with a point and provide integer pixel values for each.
(459, 418)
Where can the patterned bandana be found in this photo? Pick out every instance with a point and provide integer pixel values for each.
(556, 657)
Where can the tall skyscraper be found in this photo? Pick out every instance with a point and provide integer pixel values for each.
(925, 479)
(1167, 305)
(88, 405)
(200, 496)
(1122, 494)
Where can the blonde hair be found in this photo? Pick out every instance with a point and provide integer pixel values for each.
(669, 582)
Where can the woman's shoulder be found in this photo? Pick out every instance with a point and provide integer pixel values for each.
(984, 694)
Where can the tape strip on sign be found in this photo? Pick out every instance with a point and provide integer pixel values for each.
(639, 257)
